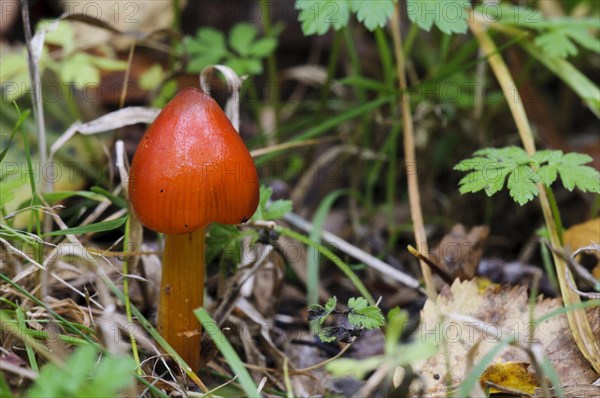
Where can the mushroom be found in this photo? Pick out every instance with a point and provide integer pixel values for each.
(191, 168)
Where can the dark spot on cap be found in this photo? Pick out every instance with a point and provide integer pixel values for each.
(161, 191)
(186, 225)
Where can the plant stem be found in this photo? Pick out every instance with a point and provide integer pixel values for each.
(331, 68)
(274, 89)
(414, 197)
(181, 292)
(555, 214)
(126, 261)
(38, 108)
(578, 321)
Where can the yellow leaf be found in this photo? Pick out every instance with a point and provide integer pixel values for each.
(583, 234)
(510, 375)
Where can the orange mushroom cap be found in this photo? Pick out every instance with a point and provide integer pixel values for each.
(192, 168)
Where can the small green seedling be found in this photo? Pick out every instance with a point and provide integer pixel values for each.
(242, 51)
(359, 314)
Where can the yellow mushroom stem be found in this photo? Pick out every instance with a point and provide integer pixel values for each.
(181, 292)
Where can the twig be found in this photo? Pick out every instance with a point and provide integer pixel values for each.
(414, 196)
(512, 391)
(444, 274)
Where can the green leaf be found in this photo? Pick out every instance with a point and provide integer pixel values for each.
(112, 374)
(108, 64)
(330, 305)
(368, 318)
(241, 37)
(264, 197)
(233, 360)
(318, 16)
(522, 184)
(79, 70)
(151, 77)
(4, 388)
(263, 47)
(450, 16)
(357, 303)
(547, 155)
(574, 174)
(491, 167)
(207, 40)
(276, 210)
(63, 35)
(548, 174)
(329, 334)
(14, 75)
(513, 15)
(86, 229)
(571, 169)
(509, 154)
(363, 315)
(556, 43)
(84, 375)
(317, 314)
(583, 37)
(396, 321)
(373, 14)
(206, 48)
(22, 117)
(524, 173)
(224, 240)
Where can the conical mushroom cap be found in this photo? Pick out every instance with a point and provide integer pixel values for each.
(192, 168)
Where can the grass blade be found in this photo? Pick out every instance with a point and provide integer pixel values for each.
(312, 257)
(21, 120)
(86, 229)
(228, 352)
(345, 268)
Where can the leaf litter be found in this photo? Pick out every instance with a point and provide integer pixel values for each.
(471, 322)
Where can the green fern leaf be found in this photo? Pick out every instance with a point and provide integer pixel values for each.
(317, 17)
(490, 167)
(373, 14)
(450, 16)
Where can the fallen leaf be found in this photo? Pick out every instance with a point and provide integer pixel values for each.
(583, 234)
(470, 323)
(460, 250)
(510, 375)
(576, 390)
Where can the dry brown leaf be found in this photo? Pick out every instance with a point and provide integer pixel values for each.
(460, 250)
(125, 16)
(464, 312)
(510, 375)
(575, 391)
